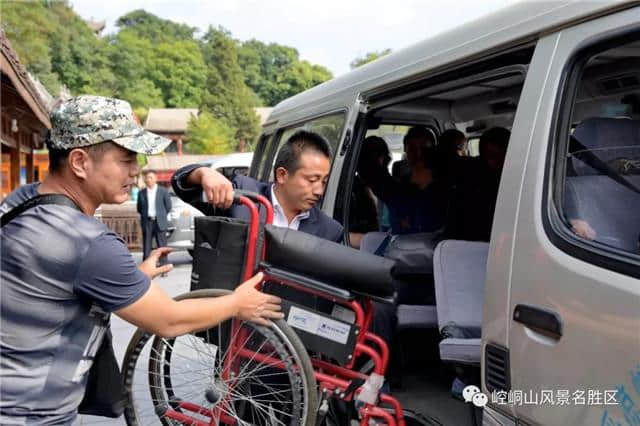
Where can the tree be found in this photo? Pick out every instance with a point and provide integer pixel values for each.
(369, 57)
(58, 47)
(153, 63)
(275, 72)
(209, 135)
(149, 26)
(178, 69)
(227, 96)
(174, 66)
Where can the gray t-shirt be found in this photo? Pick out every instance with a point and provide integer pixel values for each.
(63, 272)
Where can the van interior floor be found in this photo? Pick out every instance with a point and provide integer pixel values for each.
(423, 384)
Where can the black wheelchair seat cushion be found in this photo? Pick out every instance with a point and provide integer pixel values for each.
(329, 262)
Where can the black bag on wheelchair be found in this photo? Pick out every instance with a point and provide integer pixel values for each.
(220, 252)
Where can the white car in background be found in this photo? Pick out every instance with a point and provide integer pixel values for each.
(180, 235)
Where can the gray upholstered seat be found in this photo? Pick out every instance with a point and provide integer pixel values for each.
(372, 240)
(609, 207)
(608, 139)
(409, 316)
(459, 269)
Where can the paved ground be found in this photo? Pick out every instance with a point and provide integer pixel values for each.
(175, 283)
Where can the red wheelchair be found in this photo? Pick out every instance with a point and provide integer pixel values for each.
(297, 371)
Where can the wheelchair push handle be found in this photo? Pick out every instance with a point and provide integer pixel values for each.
(252, 198)
(249, 200)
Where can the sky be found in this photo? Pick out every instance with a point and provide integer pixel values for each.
(326, 32)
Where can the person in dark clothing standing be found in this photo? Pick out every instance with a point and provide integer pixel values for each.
(154, 203)
(470, 215)
(416, 202)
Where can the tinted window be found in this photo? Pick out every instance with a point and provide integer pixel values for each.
(330, 127)
(262, 154)
(598, 171)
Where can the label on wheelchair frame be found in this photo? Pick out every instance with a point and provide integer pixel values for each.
(318, 325)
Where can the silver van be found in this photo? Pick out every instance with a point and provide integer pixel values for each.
(556, 290)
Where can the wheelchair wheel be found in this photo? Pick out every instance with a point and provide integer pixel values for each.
(236, 373)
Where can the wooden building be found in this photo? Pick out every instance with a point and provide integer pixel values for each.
(24, 121)
(171, 123)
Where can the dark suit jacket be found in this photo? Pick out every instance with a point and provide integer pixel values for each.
(318, 223)
(163, 207)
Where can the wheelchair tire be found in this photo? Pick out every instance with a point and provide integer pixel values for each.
(162, 376)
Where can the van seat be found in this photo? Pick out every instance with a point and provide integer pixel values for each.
(608, 139)
(459, 269)
(464, 351)
(409, 316)
(417, 316)
(372, 240)
(610, 208)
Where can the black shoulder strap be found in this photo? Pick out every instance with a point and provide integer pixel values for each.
(59, 199)
(587, 156)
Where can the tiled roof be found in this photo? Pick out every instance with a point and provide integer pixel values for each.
(169, 120)
(41, 106)
(174, 162)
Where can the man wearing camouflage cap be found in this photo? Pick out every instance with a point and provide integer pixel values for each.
(64, 272)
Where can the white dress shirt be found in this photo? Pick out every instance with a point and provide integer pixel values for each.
(280, 219)
(151, 197)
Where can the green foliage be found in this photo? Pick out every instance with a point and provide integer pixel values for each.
(369, 57)
(209, 135)
(154, 63)
(227, 97)
(171, 73)
(275, 72)
(57, 46)
(149, 26)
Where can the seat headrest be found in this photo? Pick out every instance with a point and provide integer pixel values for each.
(607, 138)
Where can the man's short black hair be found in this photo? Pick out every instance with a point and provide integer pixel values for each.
(302, 140)
(419, 132)
(498, 136)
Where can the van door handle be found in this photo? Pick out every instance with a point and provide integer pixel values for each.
(539, 319)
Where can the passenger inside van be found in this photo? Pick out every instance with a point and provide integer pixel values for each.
(470, 212)
(364, 208)
(415, 204)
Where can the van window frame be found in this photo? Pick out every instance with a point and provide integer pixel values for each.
(275, 144)
(554, 224)
(266, 139)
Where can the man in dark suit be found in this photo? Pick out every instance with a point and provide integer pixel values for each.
(154, 203)
(301, 172)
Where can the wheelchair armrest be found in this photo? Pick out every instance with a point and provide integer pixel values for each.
(314, 285)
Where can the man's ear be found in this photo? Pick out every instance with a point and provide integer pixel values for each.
(281, 175)
(79, 163)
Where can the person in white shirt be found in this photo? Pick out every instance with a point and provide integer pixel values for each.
(154, 204)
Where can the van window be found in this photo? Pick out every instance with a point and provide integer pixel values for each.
(328, 126)
(263, 151)
(598, 169)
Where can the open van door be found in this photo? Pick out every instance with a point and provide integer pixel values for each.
(355, 111)
(561, 330)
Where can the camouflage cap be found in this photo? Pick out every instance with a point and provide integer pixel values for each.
(89, 120)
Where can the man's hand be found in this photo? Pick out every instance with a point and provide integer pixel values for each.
(150, 266)
(217, 189)
(253, 305)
